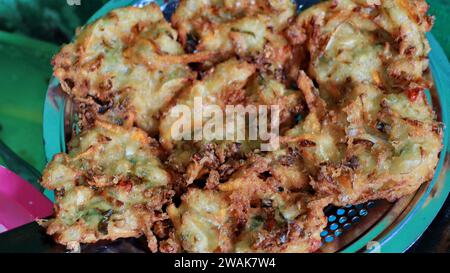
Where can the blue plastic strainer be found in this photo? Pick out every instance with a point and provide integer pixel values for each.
(342, 219)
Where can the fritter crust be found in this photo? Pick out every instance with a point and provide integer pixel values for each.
(220, 83)
(349, 77)
(120, 61)
(375, 42)
(387, 157)
(249, 29)
(111, 185)
(373, 145)
(249, 213)
(232, 82)
(368, 59)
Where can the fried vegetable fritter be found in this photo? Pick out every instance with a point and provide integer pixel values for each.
(349, 78)
(250, 29)
(125, 68)
(386, 158)
(378, 42)
(111, 185)
(230, 83)
(221, 86)
(264, 89)
(194, 17)
(369, 59)
(215, 88)
(373, 145)
(249, 213)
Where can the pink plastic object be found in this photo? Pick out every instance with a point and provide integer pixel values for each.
(20, 202)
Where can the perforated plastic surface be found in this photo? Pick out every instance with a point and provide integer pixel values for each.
(341, 220)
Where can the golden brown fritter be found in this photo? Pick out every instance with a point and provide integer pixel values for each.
(264, 89)
(125, 68)
(111, 185)
(222, 85)
(373, 145)
(387, 157)
(363, 149)
(348, 77)
(375, 42)
(249, 213)
(215, 88)
(196, 17)
(229, 83)
(368, 59)
(249, 29)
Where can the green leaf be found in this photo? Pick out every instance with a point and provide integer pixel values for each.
(51, 20)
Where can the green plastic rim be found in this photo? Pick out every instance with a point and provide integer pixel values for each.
(388, 236)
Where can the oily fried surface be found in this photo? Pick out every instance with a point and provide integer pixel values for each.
(198, 17)
(376, 42)
(216, 88)
(249, 213)
(379, 138)
(387, 158)
(118, 62)
(111, 185)
(233, 83)
(222, 85)
(372, 145)
(250, 29)
(348, 78)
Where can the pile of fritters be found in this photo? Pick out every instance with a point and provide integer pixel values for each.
(349, 77)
